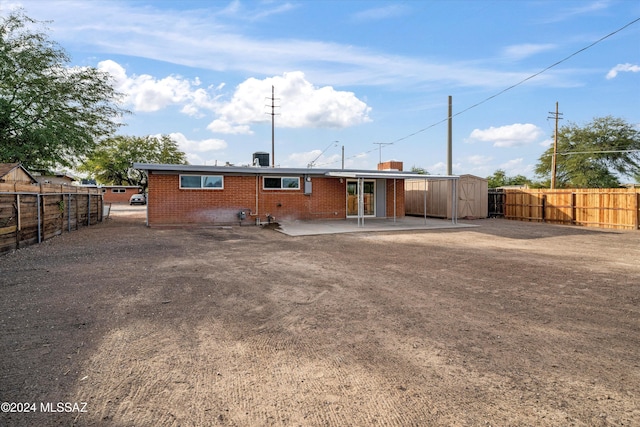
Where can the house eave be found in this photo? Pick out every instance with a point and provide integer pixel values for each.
(248, 170)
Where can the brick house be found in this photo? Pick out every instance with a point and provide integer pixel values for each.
(191, 194)
(119, 193)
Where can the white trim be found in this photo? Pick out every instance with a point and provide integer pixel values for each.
(201, 178)
(281, 187)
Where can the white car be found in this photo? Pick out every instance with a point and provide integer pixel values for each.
(138, 199)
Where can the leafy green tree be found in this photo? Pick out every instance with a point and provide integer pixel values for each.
(419, 170)
(594, 156)
(500, 179)
(51, 115)
(112, 162)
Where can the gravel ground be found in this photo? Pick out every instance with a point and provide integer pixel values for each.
(505, 324)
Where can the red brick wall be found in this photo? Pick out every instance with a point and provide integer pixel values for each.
(168, 204)
(111, 197)
(399, 198)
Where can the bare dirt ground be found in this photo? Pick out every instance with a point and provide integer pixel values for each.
(506, 324)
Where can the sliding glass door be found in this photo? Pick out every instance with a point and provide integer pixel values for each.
(368, 193)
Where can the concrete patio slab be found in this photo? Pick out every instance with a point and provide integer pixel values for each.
(316, 227)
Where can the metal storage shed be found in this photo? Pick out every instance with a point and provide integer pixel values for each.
(435, 197)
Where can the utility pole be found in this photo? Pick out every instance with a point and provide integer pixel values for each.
(450, 138)
(273, 115)
(554, 163)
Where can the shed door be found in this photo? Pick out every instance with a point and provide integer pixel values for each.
(467, 199)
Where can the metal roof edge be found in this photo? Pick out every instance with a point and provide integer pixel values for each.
(251, 170)
(387, 174)
(264, 170)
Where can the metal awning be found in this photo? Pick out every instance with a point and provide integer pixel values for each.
(362, 175)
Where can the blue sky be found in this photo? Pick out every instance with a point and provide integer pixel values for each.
(357, 74)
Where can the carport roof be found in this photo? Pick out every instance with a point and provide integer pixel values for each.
(249, 170)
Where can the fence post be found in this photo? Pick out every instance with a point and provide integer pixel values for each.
(544, 207)
(77, 198)
(573, 207)
(636, 211)
(18, 220)
(39, 215)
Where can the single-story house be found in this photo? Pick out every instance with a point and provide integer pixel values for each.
(193, 194)
(15, 173)
(119, 193)
(57, 178)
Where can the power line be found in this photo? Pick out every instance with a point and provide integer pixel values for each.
(567, 153)
(502, 91)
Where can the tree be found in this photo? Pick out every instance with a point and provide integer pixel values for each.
(51, 115)
(500, 179)
(112, 162)
(594, 156)
(419, 170)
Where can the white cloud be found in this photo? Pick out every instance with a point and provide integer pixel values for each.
(147, 93)
(299, 104)
(221, 126)
(320, 160)
(546, 143)
(581, 9)
(440, 168)
(517, 167)
(116, 28)
(613, 73)
(521, 51)
(512, 164)
(514, 135)
(479, 159)
(378, 13)
(201, 146)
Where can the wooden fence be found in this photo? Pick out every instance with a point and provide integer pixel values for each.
(32, 213)
(604, 208)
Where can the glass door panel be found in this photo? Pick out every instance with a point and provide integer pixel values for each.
(368, 193)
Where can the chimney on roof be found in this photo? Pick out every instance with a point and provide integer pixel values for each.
(391, 165)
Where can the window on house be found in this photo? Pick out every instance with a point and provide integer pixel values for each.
(211, 182)
(118, 190)
(281, 183)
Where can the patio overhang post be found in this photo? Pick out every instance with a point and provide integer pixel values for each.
(360, 202)
(395, 200)
(425, 201)
(454, 201)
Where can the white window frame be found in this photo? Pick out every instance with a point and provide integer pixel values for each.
(202, 177)
(281, 178)
(118, 190)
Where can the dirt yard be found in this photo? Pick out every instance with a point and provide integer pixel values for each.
(505, 324)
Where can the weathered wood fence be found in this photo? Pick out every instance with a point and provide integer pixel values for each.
(605, 208)
(32, 213)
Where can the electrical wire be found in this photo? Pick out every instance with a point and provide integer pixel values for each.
(568, 153)
(498, 93)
